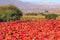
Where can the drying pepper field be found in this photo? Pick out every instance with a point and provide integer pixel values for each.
(30, 30)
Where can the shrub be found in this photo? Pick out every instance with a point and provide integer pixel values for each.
(51, 16)
(31, 14)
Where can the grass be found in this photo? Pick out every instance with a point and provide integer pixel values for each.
(33, 17)
(58, 18)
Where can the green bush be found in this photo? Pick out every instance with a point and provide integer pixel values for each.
(9, 13)
(29, 14)
(51, 16)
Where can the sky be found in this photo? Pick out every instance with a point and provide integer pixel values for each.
(40, 0)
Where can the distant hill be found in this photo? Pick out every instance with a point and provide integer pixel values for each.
(32, 6)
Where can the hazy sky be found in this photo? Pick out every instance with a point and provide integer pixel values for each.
(41, 0)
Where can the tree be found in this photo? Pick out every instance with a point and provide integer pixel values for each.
(46, 11)
(9, 13)
(31, 14)
(41, 14)
(51, 16)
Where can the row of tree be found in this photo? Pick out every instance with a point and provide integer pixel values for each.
(47, 16)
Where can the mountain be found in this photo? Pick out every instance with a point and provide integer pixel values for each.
(32, 6)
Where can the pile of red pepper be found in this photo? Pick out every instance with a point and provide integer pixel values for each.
(30, 30)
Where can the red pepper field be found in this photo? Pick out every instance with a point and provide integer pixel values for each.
(30, 30)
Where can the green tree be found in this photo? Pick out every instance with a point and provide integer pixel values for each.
(31, 14)
(9, 13)
(51, 16)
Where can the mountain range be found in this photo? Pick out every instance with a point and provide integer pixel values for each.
(32, 6)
